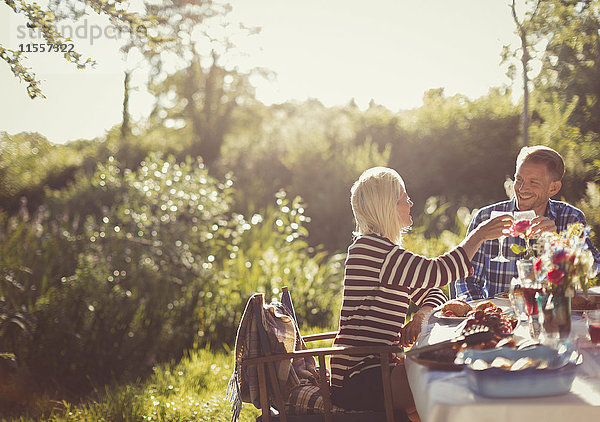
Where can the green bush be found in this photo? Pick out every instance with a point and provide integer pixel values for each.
(275, 253)
(139, 266)
(590, 205)
(108, 295)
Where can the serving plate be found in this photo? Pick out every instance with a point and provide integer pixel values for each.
(530, 382)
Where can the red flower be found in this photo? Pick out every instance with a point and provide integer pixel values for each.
(537, 266)
(559, 256)
(556, 276)
(519, 228)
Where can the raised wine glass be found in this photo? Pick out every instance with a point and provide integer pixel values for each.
(500, 257)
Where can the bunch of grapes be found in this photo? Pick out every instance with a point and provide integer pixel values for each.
(495, 321)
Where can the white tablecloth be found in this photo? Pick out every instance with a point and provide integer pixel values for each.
(445, 396)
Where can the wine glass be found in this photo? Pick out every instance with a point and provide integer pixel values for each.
(500, 257)
(592, 320)
(517, 299)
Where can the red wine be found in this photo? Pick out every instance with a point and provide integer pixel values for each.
(530, 302)
(594, 333)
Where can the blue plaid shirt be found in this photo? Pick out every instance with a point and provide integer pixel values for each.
(490, 277)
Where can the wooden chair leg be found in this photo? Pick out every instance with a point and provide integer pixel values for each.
(325, 389)
(387, 387)
(264, 398)
(277, 391)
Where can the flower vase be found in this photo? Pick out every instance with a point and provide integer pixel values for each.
(554, 317)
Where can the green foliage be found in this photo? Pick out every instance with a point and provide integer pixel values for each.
(322, 173)
(45, 21)
(202, 99)
(590, 205)
(440, 228)
(29, 164)
(275, 253)
(312, 152)
(571, 64)
(453, 148)
(191, 389)
(579, 150)
(137, 267)
(129, 283)
(20, 159)
(107, 269)
(457, 149)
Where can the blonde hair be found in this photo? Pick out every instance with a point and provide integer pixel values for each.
(374, 199)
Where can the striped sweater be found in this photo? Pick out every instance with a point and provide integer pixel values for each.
(380, 280)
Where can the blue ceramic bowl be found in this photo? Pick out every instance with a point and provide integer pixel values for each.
(530, 382)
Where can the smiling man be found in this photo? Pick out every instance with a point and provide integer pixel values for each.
(538, 176)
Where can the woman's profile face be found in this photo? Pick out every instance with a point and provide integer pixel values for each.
(403, 207)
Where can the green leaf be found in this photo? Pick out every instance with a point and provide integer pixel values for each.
(518, 249)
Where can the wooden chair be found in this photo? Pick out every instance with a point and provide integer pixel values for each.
(274, 410)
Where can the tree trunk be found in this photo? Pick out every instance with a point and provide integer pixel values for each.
(125, 124)
(522, 31)
(525, 119)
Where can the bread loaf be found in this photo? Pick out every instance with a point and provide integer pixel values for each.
(458, 307)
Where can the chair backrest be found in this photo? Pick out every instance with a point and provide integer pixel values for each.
(266, 375)
(286, 300)
(265, 330)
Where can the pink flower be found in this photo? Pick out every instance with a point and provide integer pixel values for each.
(537, 266)
(520, 228)
(556, 276)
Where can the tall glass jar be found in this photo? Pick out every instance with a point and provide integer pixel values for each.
(554, 316)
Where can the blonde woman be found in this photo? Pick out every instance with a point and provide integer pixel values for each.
(380, 280)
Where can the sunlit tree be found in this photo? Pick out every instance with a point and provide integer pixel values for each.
(571, 62)
(525, 29)
(45, 21)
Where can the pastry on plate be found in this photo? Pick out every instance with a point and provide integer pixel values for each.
(457, 307)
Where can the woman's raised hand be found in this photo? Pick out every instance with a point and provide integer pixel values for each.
(495, 227)
(488, 230)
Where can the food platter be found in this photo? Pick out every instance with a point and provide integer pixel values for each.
(439, 313)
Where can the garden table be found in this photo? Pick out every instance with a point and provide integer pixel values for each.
(445, 396)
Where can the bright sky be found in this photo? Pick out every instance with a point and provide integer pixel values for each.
(391, 51)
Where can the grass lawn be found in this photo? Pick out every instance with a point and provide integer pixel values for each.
(191, 390)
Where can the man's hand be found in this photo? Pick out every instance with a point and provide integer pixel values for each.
(411, 331)
(540, 225)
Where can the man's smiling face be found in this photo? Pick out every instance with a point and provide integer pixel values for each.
(533, 187)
